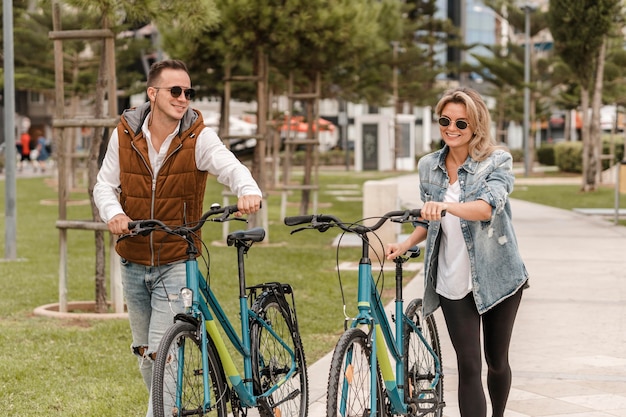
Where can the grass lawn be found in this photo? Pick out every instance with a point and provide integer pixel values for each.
(84, 367)
(570, 197)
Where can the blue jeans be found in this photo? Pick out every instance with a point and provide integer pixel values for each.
(153, 299)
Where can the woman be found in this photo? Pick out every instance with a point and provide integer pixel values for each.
(473, 268)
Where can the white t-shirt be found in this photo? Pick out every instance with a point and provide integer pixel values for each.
(453, 272)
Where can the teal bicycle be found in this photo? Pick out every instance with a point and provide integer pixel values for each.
(194, 373)
(362, 381)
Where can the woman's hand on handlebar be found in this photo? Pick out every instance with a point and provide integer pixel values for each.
(248, 204)
(118, 225)
(433, 210)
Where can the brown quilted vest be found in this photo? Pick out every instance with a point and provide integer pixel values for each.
(175, 199)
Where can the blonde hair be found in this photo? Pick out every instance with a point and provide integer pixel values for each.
(482, 144)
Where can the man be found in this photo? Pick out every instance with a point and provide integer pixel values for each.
(156, 166)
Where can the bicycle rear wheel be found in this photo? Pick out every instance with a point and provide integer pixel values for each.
(423, 393)
(271, 361)
(349, 380)
(180, 349)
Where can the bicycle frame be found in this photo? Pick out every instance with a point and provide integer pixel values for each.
(206, 308)
(372, 312)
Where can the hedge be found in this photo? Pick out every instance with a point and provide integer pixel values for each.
(568, 155)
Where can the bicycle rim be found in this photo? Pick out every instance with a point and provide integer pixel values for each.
(180, 348)
(423, 393)
(271, 361)
(349, 380)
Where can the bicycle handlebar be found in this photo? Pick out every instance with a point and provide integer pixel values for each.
(322, 222)
(144, 227)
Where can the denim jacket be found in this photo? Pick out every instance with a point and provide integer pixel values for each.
(497, 269)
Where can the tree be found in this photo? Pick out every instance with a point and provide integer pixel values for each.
(422, 38)
(340, 40)
(504, 70)
(105, 13)
(580, 29)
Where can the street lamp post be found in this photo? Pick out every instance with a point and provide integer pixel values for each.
(527, 8)
(10, 233)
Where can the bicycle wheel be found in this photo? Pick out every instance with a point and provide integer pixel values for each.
(349, 380)
(423, 395)
(181, 348)
(271, 361)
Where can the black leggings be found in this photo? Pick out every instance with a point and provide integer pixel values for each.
(463, 322)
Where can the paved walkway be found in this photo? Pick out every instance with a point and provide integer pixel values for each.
(569, 344)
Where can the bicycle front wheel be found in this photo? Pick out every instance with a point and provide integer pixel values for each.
(177, 383)
(349, 381)
(271, 361)
(423, 384)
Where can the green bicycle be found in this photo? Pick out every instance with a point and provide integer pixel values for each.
(194, 373)
(361, 381)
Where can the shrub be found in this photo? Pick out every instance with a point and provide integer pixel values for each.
(568, 156)
(545, 155)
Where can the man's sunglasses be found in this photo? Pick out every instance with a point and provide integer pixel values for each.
(444, 121)
(176, 91)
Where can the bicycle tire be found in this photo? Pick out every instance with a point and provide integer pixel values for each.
(271, 361)
(349, 378)
(419, 368)
(164, 375)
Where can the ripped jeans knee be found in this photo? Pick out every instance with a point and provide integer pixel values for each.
(142, 352)
(146, 360)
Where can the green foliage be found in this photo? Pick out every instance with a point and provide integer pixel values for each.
(578, 28)
(568, 156)
(545, 155)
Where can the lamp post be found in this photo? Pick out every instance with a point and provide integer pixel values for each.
(527, 8)
(10, 233)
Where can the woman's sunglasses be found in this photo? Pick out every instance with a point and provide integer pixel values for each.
(444, 121)
(176, 91)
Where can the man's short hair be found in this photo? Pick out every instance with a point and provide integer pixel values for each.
(157, 68)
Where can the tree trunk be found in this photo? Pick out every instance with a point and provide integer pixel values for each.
(258, 166)
(587, 177)
(308, 160)
(595, 163)
(92, 173)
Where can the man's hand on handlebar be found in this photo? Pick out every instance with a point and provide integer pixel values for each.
(119, 224)
(248, 204)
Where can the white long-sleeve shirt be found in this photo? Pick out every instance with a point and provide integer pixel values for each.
(211, 156)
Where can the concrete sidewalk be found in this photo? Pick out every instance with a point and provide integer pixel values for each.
(568, 353)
